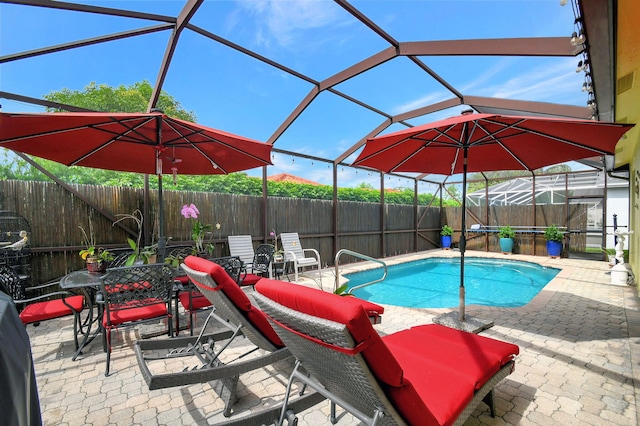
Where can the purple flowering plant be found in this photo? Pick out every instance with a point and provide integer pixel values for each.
(199, 229)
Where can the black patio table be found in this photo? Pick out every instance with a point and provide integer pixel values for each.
(89, 284)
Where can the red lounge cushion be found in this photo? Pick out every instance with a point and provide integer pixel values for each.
(129, 312)
(441, 394)
(372, 310)
(345, 310)
(235, 294)
(49, 309)
(198, 301)
(502, 351)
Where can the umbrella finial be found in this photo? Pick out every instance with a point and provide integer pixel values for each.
(466, 112)
(157, 110)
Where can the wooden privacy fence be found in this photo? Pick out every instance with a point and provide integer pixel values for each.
(55, 214)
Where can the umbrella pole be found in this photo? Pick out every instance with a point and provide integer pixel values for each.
(161, 239)
(463, 238)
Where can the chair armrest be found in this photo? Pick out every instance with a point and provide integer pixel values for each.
(42, 286)
(63, 293)
(292, 254)
(314, 251)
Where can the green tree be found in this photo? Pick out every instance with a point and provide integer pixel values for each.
(133, 98)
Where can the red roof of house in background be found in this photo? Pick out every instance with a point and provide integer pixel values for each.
(285, 177)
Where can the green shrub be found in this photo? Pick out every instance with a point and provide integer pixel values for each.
(506, 232)
(552, 233)
(446, 231)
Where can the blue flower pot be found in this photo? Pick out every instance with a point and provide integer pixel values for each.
(506, 245)
(554, 248)
(445, 241)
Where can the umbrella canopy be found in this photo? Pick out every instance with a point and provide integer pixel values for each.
(488, 142)
(151, 143)
(131, 142)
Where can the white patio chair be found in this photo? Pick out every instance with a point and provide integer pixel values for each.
(242, 246)
(294, 252)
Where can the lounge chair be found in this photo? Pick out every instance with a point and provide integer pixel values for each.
(235, 312)
(242, 246)
(192, 300)
(428, 375)
(294, 252)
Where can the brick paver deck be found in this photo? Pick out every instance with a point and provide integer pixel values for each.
(579, 341)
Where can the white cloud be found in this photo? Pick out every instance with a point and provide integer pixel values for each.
(283, 20)
(427, 99)
(555, 83)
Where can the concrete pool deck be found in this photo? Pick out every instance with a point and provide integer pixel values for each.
(579, 341)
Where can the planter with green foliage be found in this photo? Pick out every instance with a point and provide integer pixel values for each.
(445, 236)
(506, 235)
(554, 241)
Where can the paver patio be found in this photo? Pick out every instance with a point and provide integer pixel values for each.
(579, 341)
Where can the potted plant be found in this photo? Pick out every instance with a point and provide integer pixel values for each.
(554, 241)
(506, 235)
(199, 232)
(141, 254)
(96, 258)
(278, 254)
(445, 237)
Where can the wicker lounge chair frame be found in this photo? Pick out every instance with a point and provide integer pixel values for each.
(326, 349)
(209, 366)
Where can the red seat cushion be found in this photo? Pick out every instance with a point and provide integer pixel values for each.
(49, 309)
(198, 301)
(236, 295)
(128, 312)
(183, 279)
(250, 279)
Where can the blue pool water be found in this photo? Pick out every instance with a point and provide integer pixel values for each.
(434, 283)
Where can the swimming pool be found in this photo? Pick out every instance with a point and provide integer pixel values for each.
(434, 282)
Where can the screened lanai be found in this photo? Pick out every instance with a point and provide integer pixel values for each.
(317, 78)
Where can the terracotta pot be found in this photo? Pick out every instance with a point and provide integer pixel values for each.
(95, 265)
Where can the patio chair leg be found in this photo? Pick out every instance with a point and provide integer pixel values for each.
(108, 340)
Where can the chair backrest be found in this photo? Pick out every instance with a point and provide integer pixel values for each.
(263, 258)
(232, 265)
(242, 247)
(11, 284)
(120, 257)
(291, 243)
(335, 342)
(128, 287)
(231, 302)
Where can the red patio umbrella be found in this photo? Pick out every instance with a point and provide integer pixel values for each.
(488, 142)
(151, 143)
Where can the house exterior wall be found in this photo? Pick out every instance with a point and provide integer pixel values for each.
(627, 101)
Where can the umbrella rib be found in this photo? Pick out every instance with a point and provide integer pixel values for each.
(118, 136)
(428, 142)
(172, 124)
(517, 126)
(538, 133)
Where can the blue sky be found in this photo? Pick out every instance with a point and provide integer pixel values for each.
(236, 93)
